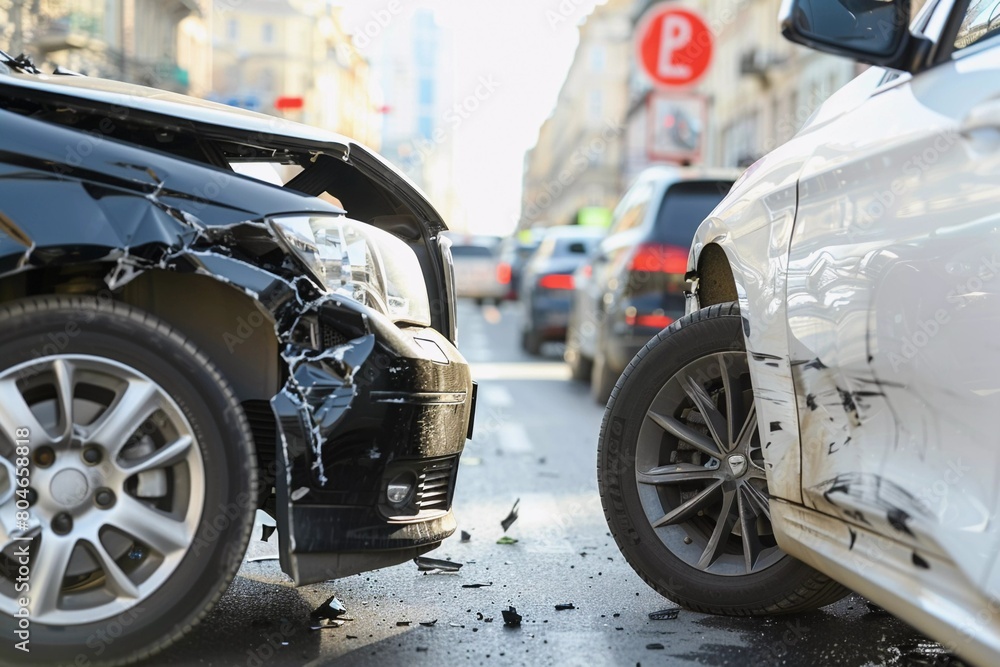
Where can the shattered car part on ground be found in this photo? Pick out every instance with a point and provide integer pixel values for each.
(425, 564)
(330, 614)
(320, 303)
(511, 618)
(511, 516)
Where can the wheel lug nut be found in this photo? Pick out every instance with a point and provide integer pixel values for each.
(92, 455)
(62, 524)
(687, 540)
(44, 457)
(104, 498)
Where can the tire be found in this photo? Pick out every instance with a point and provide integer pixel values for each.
(602, 380)
(143, 392)
(641, 459)
(531, 342)
(580, 366)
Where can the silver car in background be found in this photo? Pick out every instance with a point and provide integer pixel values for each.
(477, 263)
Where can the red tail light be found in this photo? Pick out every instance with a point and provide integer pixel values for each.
(556, 281)
(503, 273)
(650, 321)
(660, 258)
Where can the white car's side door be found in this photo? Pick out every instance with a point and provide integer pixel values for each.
(894, 304)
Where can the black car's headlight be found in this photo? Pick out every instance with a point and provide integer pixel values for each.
(359, 261)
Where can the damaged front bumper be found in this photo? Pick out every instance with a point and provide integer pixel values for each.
(366, 404)
(388, 407)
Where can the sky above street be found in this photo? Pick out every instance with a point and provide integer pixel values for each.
(523, 48)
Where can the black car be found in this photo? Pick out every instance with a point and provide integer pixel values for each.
(633, 285)
(547, 283)
(181, 345)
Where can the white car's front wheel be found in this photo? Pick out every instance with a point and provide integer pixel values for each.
(126, 482)
(682, 477)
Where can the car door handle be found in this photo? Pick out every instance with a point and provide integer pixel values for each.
(984, 116)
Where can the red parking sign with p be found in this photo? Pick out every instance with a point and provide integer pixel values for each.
(674, 45)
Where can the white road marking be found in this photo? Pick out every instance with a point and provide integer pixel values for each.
(520, 371)
(495, 396)
(514, 439)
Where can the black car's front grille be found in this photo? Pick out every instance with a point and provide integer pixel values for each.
(435, 486)
(330, 337)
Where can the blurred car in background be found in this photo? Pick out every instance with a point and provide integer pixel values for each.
(515, 252)
(476, 268)
(547, 285)
(634, 286)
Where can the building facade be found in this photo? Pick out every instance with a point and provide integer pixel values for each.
(160, 43)
(576, 164)
(293, 59)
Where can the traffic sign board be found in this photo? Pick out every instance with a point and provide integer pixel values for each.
(674, 45)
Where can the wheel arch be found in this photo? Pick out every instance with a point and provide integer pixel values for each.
(227, 324)
(717, 282)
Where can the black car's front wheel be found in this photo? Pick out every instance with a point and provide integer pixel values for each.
(682, 478)
(126, 481)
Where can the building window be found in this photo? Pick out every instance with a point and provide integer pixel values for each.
(267, 33)
(426, 92)
(233, 30)
(597, 59)
(425, 126)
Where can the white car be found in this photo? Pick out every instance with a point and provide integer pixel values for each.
(827, 415)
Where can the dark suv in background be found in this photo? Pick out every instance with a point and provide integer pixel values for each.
(547, 286)
(633, 284)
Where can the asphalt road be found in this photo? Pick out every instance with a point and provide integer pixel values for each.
(536, 435)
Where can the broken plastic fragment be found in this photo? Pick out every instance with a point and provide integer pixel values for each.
(403, 624)
(655, 647)
(512, 517)
(506, 540)
(476, 585)
(266, 531)
(466, 536)
(511, 618)
(425, 564)
(874, 608)
(257, 559)
(328, 614)
(428, 624)
(664, 614)
(564, 607)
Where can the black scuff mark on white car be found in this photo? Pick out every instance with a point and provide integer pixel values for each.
(920, 562)
(775, 426)
(851, 491)
(854, 537)
(898, 519)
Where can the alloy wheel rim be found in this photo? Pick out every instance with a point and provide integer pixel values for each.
(699, 469)
(117, 487)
